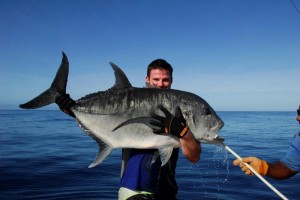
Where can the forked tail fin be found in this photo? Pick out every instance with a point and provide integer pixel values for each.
(57, 87)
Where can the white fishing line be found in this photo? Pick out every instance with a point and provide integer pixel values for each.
(257, 174)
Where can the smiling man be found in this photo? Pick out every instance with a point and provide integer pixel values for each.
(144, 177)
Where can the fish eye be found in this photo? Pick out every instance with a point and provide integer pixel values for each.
(207, 111)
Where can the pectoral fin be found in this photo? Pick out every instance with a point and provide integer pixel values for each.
(141, 120)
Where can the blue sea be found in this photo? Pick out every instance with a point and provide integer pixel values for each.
(45, 155)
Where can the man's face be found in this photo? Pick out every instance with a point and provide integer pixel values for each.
(159, 78)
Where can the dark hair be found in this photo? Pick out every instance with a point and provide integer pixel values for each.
(160, 64)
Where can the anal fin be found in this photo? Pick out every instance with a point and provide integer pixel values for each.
(165, 154)
(104, 151)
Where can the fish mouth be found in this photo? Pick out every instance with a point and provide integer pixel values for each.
(215, 139)
(218, 140)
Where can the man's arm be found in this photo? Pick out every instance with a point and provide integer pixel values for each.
(279, 171)
(191, 148)
(276, 170)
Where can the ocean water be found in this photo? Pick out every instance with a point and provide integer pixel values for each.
(45, 155)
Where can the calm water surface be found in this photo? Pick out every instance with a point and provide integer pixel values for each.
(44, 155)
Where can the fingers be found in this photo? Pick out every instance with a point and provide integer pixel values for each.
(178, 113)
(249, 160)
(157, 127)
(64, 101)
(239, 163)
(158, 131)
(157, 117)
(164, 110)
(236, 162)
(157, 123)
(246, 160)
(248, 172)
(243, 167)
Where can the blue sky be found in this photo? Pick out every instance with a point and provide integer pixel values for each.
(239, 55)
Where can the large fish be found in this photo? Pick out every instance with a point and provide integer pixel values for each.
(119, 117)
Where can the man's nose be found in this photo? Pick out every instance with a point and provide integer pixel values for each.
(160, 84)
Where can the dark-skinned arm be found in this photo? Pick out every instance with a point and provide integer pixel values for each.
(280, 171)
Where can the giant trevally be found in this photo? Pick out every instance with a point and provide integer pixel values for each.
(119, 117)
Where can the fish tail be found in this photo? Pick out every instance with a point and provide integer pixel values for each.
(57, 88)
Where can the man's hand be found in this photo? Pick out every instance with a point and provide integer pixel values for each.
(260, 166)
(175, 125)
(65, 103)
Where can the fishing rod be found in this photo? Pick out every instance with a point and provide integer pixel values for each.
(254, 172)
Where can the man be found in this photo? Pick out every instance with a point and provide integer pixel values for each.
(288, 166)
(143, 177)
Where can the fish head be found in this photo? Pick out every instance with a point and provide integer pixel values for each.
(203, 121)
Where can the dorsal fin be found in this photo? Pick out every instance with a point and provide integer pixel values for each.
(121, 79)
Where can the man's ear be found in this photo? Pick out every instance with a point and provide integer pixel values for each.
(147, 79)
